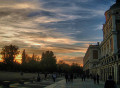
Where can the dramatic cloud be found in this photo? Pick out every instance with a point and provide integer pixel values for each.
(66, 27)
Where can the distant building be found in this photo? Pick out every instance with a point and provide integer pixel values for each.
(109, 49)
(91, 59)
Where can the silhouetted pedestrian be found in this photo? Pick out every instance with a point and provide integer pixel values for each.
(45, 75)
(54, 77)
(110, 83)
(91, 76)
(71, 77)
(97, 79)
(66, 77)
(38, 78)
(94, 78)
(84, 77)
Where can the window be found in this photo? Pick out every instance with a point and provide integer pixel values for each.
(95, 54)
(111, 44)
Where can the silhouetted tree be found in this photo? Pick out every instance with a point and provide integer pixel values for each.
(33, 57)
(48, 61)
(63, 67)
(75, 68)
(37, 58)
(32, 64)
(9, 53)
(24, 56)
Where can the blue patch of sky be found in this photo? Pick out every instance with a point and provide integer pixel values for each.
(42, 13)
(77, 54)
(87, 27)
(86, 24)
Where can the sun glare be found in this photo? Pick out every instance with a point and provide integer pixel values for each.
(18, 59)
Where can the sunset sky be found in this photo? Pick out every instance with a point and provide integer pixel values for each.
(66, 27)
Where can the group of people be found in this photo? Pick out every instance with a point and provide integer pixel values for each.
(54, 76)
(69, 77)
(110, 83)
(96, 79)
(83, 76)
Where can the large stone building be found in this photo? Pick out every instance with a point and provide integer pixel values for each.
(91, 59)
(108, 62)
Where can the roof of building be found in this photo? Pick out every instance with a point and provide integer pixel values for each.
(116, 5)
(93, 46)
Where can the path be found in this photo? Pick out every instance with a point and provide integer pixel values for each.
(77, 84)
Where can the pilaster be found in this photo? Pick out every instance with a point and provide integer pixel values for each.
(114, 34)
(116, 73)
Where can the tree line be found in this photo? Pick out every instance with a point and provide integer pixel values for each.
(47, 62)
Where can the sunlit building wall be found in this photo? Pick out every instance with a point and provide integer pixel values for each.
(90, 60)
(109, 60)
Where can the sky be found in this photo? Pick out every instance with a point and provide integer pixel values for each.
(66, 27)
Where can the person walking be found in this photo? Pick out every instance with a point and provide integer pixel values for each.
(71, 77)
(38, 78)
(84, 77)
(66, 77)
(97, 79)
(110, 83)
(54, 77)
(94, 78)
(45, 75)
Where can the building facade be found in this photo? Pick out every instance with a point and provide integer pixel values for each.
(91, 59)
(109, 49)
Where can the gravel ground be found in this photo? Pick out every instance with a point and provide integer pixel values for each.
(16, 76)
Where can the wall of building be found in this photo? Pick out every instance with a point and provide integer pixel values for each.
(118, 31)
(108, 61)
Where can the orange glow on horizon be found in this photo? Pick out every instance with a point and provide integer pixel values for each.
(19, 57)
(69, 63)
(1, 59)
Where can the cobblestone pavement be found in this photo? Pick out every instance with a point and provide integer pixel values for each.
(34, 84)
(77, 83)
(41, 84)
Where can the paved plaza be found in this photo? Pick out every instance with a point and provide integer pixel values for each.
(61, 83)
(77, 83)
